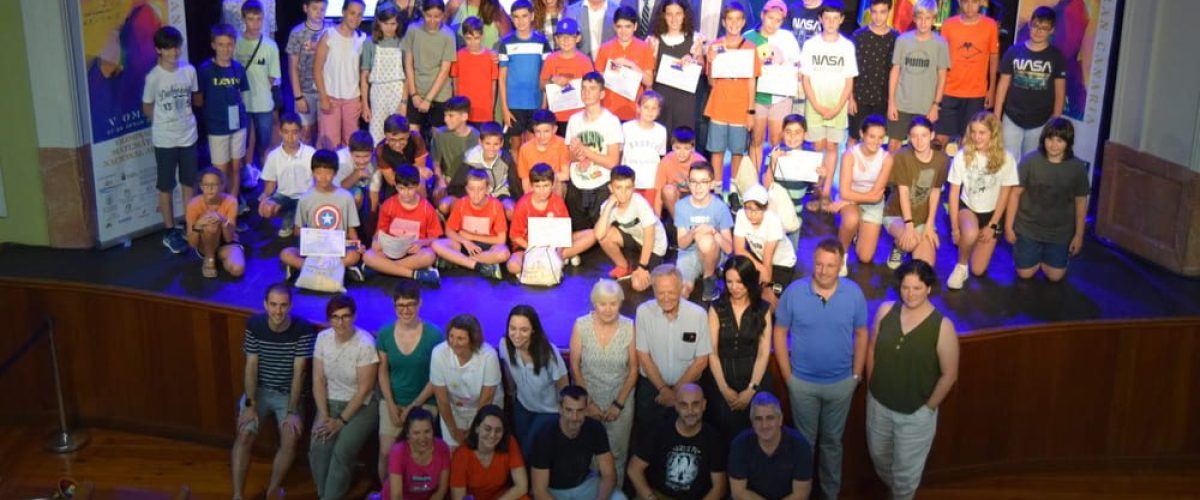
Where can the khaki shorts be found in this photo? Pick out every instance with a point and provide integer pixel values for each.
(224, 148)
(773, 112)
(385, 422)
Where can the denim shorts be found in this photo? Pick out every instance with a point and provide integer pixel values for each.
(270, 401)
(723, 136)
(1028, 253)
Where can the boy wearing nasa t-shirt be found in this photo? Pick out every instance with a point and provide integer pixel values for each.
(828, 67)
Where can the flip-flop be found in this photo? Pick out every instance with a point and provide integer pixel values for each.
(209, 269)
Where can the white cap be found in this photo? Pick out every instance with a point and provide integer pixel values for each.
(757, 194)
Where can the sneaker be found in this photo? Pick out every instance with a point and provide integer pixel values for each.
(442, 264)
(243, 208)
(574, 261)
(710, 292)
(428, 277)
(845, 271)
(174, 240)
(957, 277)
(895, 259)
(286, 231)
(619, 273)
(288, 273)
(356, 273)
(489, 271)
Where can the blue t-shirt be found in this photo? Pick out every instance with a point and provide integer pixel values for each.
(821, 333)
(523, 58)
(222, 89)
(688, 216)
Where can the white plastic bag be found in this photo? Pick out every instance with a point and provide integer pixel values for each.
(322, 274)
(542, 267)
(780, 202)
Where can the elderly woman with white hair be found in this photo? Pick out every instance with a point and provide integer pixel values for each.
(604, 361)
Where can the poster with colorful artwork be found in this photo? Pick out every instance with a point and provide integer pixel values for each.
(118, 52)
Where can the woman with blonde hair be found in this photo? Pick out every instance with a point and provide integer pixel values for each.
(981, 176)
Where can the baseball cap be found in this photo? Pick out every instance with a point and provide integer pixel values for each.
(567, 26)
(756, 193)
(775, 4)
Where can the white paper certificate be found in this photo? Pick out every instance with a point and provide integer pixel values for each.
(799, 166)
(322, 242)
(738, 63)
(564, 97)
(554, 232)
(673, 73)
(394, 247)
(622, 80)
(778, 79)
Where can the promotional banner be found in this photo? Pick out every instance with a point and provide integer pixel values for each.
(1084, 34)
(118, 51)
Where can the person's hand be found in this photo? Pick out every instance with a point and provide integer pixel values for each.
(292, 424)
(1076, 244)
(326, 104)
(319, 425)
(424, 105)
(989, 99)
(932, 237)
(640, 278)
(394, 414)
(460, 435)
(471, 248)
(934, 113)
(834, 207)
(666, 396)
(366, 111)
(508, 116)
(266, 207)
(246, 417)
(908, 238)
(611, 414)
(302, 106)
(893, 114)
(987, 234)
(560, 80)
(852, 106)
(954, 235)
(730, 396)
(594, 411)
(743, 399)
(402, 108)
(1011, 236)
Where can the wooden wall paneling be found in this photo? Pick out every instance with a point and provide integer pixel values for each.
(1157, 370)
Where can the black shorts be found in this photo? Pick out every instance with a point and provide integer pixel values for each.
(955, 113)
(522, 122)
(632, 250)
(483, 247)
(983, 219)
(168, 159)
(435, 117)
(584, 205)
(865, 110)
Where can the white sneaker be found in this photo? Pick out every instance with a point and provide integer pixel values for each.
(957, 277)
(574, 261)
(845, 271)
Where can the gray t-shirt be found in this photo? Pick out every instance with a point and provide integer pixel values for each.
(673, 345)
(429, 51)
(1047, 210)
(919, 63)
(302, 42)
(332, 210)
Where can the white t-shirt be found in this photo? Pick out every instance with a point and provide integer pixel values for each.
(828, 65)
(595, 27)
(634, 219)
(346, 167)
(342, 362)
(171, 92)
(980, 189)
(535, 392)
(292, 174)
(599, 135)
(643, 150)
(463, 382)
(771, 229)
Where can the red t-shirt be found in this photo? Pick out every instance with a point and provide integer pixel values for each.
(638, 52)
(572, 68)
(420, 222)
(488, 220)
(971, 49)
(476, 76)
(555, 207)
(485, 483)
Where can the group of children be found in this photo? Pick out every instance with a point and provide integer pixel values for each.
(497, 157)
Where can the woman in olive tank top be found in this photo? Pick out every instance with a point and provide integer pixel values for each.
(912, 363)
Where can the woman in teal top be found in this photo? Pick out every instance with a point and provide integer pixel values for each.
(405, 348)
(496, 23)
(912, 363)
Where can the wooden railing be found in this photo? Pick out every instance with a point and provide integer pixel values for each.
(1030, 396)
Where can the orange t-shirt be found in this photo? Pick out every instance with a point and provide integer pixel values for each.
(971, 47)
(575, 67)
(197, 207)
(729, 99)
(485, 482)
(488, 220)
(639, 52)
(556, 155)
(476, 76)
(555, 207)
(674, 172)
(421, 222)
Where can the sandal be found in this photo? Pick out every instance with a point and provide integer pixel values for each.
(209, 269)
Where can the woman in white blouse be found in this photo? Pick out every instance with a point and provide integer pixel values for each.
(536, 372)
(344, 371)
(465, 374)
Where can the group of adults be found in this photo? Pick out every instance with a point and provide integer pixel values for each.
(674, 403)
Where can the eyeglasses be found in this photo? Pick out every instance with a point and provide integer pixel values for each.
(341, 317)
(406, 305)
(699, 183)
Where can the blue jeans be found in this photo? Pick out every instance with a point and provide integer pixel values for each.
(263, 124)
(527, 424)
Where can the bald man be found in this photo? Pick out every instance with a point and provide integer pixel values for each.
(685, 459)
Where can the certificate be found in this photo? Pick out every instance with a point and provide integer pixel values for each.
(622, 80)
(778, 79)
(554, 232)
(322, 242)
(564, 97)
(738, 63)
(674, 73)
(394, 247)
(799, 166)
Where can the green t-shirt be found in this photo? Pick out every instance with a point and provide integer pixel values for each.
(409, 372)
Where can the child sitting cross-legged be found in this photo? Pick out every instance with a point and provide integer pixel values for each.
(476, 230)
(406, 217)
(326, 206)
(542, 201)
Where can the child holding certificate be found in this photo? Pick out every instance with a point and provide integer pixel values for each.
(625, 52)
(542, 201)
(792, 148)
(828, 67)
(674, 35)
(476, 230)
(565, 64)
(731, 105)
(326, 206)
(406, 218)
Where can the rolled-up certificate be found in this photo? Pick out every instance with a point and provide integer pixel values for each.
(564, 97)
(673, 72)
(622, 80)
(737, 63)
(778, 79)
